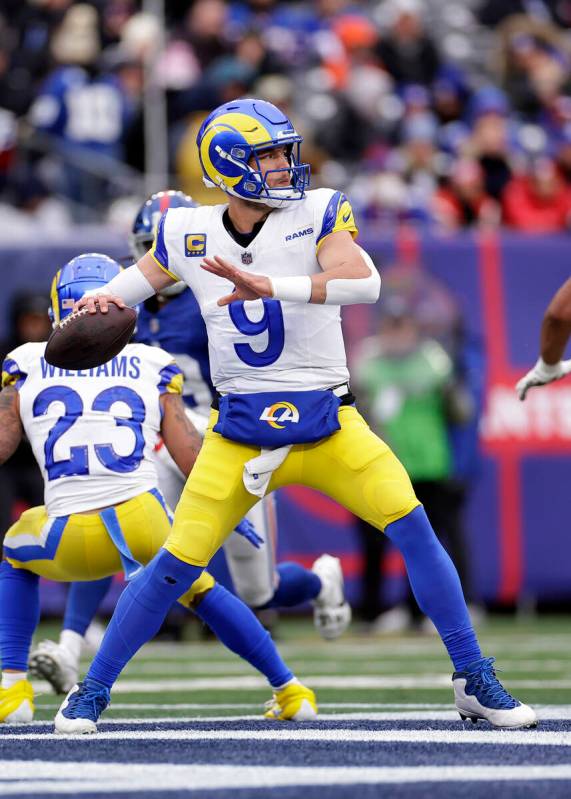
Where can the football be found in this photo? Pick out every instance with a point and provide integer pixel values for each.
(83, 340)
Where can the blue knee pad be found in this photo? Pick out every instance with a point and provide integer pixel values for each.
(164, 580)
(19, 615)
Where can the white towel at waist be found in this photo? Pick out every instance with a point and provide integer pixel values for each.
(258, 471)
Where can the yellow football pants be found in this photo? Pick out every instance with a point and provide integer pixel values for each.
(353, 466)
(81, 549)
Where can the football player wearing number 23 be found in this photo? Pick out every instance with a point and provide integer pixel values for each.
(284, 412)
(93, 432)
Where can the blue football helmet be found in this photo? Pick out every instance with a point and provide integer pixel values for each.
(233, 135)
(148, 216)
(85, 272)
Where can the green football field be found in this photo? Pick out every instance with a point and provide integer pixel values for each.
(357, 673)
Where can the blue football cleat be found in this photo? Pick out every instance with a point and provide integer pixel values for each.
(80, 710)
(480, 695)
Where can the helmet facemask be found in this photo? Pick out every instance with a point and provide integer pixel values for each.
(140, 244)
(254, 186)
(83, 273)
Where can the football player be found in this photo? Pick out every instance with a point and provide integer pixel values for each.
(92, 432)
(555, 332)
(284, 412)
(173, 321)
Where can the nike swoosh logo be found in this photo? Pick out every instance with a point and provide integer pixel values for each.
(251, 129)
(347, 217)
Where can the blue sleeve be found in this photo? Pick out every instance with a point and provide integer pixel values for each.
(338, 216)
(159, 249)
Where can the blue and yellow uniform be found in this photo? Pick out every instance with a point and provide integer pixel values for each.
(103, 511)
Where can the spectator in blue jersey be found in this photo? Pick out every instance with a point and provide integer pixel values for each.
(83, 114)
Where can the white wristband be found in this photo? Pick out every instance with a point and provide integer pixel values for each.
(130, 284)
(291, 289)
(548, 371)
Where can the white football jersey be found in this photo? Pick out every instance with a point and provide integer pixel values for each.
(92, 431)
(262, 345)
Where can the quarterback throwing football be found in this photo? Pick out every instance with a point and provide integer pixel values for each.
(284, 412)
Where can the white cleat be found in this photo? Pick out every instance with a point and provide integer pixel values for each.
(395, 620)
(17, 703)
(295, 702)
(93, 638)
(55, 664)
(480, 695)
(80, 710)
(331, 612)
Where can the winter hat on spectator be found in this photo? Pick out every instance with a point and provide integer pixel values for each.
(276, 89)
(115, 57)
(229, 69)
(140, 34)
(355, 31)
(488, 100)
(450, 81)
(420, 127)
(522, 43)
(392, 10)
(76, 41)
(452, 136)
(415, 96)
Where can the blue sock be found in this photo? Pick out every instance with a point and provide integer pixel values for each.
(436, 585)
(19, 615)
(141, 610)
(237, 628)
(82, 603)
(297, 585)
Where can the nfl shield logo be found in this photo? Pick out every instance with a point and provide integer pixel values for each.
(246, 258)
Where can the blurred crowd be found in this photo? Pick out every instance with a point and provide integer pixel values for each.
(448, 115)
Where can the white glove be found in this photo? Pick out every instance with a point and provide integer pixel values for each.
(541, 374)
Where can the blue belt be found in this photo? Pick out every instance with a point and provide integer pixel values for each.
(131, 567)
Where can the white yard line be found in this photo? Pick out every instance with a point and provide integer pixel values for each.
(77, 778)
(366, 712)
(438, 715)
(460, 736)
